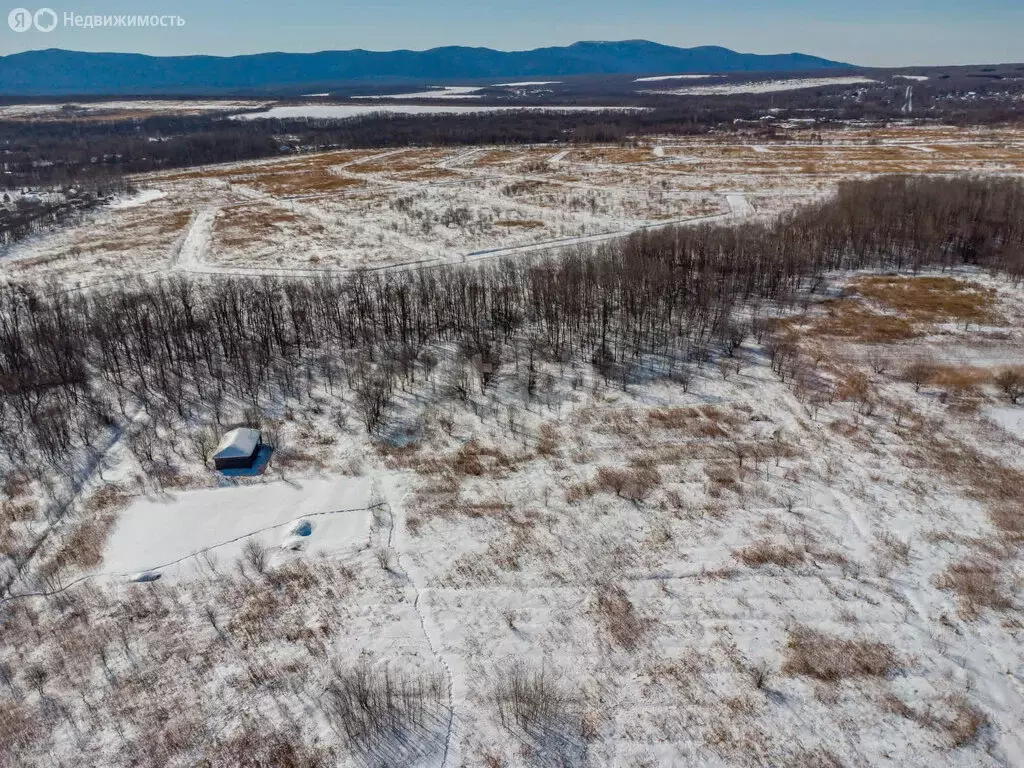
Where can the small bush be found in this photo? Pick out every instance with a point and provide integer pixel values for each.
(1011, 382)
(919, 372)
(377, 707)
(528, 698)
(635, 484)
(255, 555)
(977, 584)
(766, 553)
(547, 442)
(961, 721)
(619, 618)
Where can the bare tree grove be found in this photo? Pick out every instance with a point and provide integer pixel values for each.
(76, 365)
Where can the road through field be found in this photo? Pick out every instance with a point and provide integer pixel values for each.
(191, 256)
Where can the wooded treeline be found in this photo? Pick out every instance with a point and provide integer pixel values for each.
(190, 352)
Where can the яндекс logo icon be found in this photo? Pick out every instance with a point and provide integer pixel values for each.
(22, 20)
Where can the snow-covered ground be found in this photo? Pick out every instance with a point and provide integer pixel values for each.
(344, 111)
(175, 534)
(440, 92)
(1009, 418)
(780, 594)
(142, 105)
(659, 78)
(140, 198)
(526, 83)
(767, 86)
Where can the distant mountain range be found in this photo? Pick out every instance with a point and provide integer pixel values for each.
(56, 72)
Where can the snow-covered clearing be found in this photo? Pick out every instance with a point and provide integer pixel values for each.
(739, 205)
(179, 532)
(659, 78)
(343, 111)
(526, 83)
(767, 86)
(140, 198)
(142, 105)
(440, 92)
(918, 78)
(1009, 418)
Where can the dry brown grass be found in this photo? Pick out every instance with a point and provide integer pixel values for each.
(850, 319)
(612, 155)
(473, 459)
(548, 441)
(245, 224)
(931, 299)
(170, 223)
(237, 173)
(959, 380)
(983, 478)
(618, 616)
(721, 476)
(494, 157)
(961, 721)
(430, 174)
(519, 223)
(109, 498)
(307, 175)
(17, 511)
(701, 421)
(764, 553)
(476, 460)
(304, 181)
(404, 162)
(977, 584)
(953, 716)
(833, 659)
(81, 549)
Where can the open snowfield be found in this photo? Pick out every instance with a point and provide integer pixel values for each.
(120, 109)
(659, 78)
(176, 533)
(344, 111)
(363, 208)
(767, 86)
(440, 92)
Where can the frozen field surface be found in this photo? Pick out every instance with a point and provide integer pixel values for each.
(1009, 418)
(165, 534)
(768, 86)
(341, 111)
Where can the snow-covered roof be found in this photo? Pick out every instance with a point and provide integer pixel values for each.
(238, 444)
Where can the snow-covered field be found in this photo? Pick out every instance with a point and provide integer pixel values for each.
(344, 111)
(362, 208)
(659, 78)
(178, 533)
(440, 92)
(766, 86)
(35, 111)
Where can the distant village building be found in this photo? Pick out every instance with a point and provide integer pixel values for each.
(238, 449)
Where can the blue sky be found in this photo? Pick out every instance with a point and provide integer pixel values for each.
(869, 32)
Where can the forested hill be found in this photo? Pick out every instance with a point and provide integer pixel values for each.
(60, 72)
